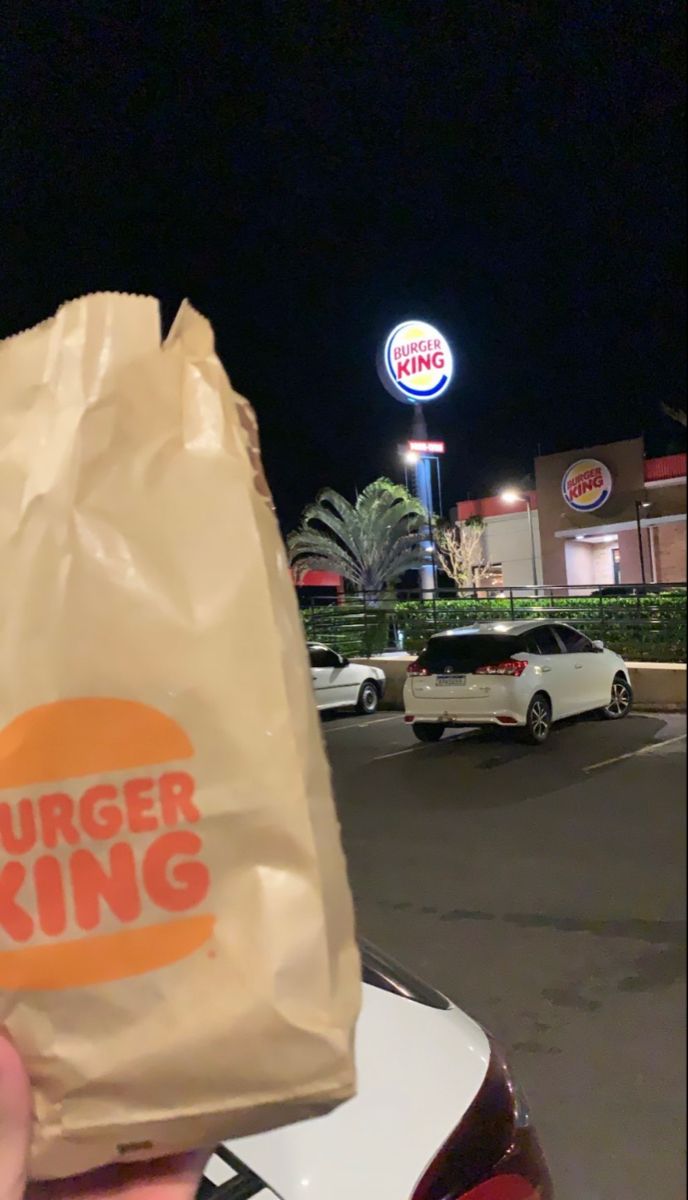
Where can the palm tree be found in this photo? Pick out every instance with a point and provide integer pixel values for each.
(370, 543)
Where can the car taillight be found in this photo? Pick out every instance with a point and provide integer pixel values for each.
(511, 666)
(415, 668)
(493, 1153)
(504, 1187)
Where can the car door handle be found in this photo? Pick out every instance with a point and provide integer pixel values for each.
(578, 666)
(543, 669)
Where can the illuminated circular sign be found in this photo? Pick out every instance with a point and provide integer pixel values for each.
(416, 363)
(586, 485)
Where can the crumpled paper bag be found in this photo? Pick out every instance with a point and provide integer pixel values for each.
(177, 954)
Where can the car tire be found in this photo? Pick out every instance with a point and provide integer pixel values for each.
(621, 700)
(538, 720)
(427, 731)
(368, 699)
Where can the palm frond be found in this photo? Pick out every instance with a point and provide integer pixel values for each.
(370, 543)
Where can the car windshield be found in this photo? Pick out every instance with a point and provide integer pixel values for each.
(463, 652)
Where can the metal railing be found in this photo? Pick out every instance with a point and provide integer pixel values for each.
(645, 623)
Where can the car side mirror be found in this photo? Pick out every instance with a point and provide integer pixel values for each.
(598, 646)
(343, 662)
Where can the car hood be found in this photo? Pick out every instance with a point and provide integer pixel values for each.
(419, 1069)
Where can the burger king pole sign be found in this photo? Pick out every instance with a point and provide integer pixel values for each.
(416, 363)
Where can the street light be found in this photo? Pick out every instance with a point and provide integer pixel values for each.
(639, 504)
(511, 496)
(416, 455)
(410, 459)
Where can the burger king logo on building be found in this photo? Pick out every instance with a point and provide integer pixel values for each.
(101, 867)
(586, 485)
(417, 362)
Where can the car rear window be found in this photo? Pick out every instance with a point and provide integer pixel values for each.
(463, 652)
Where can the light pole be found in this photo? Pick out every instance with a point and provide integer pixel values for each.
(511, 496)
(640, 504)
(440, 503)
(410, 459)
(421, 465)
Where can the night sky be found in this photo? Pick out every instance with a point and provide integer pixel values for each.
(311, 174)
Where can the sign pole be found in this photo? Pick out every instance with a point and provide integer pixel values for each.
(419, 433)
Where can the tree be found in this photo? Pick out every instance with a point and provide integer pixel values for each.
(370, 543)
(461, 553)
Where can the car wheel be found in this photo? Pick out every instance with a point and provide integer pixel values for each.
(538, 720)
(620, 704)
(426, 732)
(368, 698)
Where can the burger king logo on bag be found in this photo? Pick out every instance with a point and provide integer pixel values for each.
(587, 485)
(99, 879)
(418, 361)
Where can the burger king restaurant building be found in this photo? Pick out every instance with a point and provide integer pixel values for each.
(602, 515)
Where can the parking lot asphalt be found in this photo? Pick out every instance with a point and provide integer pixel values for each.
(543, 889)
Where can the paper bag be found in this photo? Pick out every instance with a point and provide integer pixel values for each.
(177, 956)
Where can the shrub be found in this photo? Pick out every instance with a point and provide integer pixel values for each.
(641, 628)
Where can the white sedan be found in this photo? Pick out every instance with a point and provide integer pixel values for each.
(516, 674)
(338, 683)
(437, 1115)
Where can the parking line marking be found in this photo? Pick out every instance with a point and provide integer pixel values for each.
(379, 721)
(363, 724)
(396, 753)
(636, 753)
(455, 737)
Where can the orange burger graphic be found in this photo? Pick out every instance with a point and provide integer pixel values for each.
(101, 863)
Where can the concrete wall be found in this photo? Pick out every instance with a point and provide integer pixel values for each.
(629, 556)
(603, 563)
(656, 686)
(579, 564)
(588, 564)
(507, 541)
(670, 551)
(659, 686)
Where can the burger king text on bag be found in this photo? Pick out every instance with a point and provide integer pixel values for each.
(177, 954)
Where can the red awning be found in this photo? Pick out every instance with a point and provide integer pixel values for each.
(669, 466)
(492, 506)
(321, 579)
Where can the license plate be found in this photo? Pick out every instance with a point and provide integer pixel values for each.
(451, 680)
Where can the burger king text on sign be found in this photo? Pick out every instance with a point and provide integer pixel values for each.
(586, 485)
(418, 362)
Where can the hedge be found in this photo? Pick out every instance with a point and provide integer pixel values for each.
(641, 628)
(647, 628)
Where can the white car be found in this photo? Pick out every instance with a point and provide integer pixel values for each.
(516, 674)
(338, 683)
(437, 1115)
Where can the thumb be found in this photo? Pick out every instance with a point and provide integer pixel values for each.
(15, 1121)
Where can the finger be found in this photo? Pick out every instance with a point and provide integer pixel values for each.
(15, 1121)
(175, 1178)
